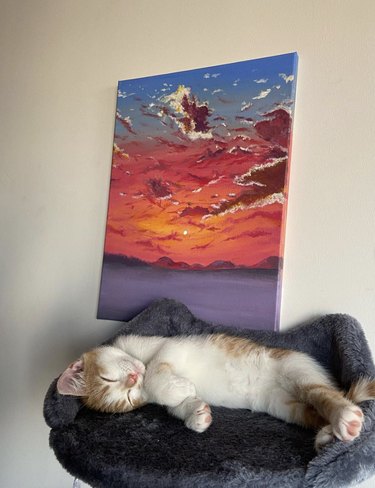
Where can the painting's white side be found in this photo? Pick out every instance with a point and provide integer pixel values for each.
(60, 62)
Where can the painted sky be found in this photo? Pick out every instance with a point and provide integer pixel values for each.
(199, 163)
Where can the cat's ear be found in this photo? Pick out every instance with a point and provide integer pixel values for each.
(72, 381)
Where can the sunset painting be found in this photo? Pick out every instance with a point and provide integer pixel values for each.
(198, 192)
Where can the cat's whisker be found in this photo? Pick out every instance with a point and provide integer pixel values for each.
(129, 399)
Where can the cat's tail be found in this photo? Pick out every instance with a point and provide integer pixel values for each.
(362, 390)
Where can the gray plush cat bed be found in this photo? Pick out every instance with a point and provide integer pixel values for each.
(149, 448)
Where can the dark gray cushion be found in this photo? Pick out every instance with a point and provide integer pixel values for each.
(241, 449)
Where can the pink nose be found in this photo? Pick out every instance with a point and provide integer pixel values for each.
(132, 379)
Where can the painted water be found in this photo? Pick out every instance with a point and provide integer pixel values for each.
(243, 298)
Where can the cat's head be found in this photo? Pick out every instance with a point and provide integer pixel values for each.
(107, 379)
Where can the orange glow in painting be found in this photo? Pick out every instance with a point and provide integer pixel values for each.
(168, 205)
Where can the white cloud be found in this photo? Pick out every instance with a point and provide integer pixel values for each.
(243, 180)
(119, 151)
(261, 80)
(208, 75)
(175, 100)
(218, 90)
(246, 122)
(245, 106)
(123, 94)
(126, 119)
(286, 78)
(261, 202)
(263, 94)
(215, 180)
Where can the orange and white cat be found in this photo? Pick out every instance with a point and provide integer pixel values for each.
(188, 373)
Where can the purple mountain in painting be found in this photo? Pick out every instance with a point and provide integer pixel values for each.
(272, 262)
(221, 265)
(166, 262)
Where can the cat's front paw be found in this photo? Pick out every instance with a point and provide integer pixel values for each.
(348, 424)
(177, 390)
(324, 437)
(200, 418)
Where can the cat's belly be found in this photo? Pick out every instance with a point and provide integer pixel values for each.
(246, 387)
(230, 389)
(222, 397)
(235, 395)
(227, 382)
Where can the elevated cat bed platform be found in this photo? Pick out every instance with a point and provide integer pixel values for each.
(149, 448)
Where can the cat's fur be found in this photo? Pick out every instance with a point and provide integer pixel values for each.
(189, 373)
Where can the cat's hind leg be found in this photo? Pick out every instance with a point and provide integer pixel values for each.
(310, 384)
(195, 412)
(345, 417)
(287, 407)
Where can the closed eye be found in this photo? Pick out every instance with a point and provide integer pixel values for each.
(108, 379)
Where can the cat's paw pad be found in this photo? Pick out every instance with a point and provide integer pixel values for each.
(324, 437)
(201, 417)
(349, 423)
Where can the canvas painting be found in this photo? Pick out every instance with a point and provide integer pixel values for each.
(198, 192)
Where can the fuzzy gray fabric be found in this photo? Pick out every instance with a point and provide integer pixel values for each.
(148, 448)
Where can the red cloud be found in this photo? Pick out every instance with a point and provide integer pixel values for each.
(158, 188)
(224, 100)
(253, 234)
(147, 243)
(114, 230)
(266, 215)
(203, 180)
(125, 122)
(277, 128)
(269, 177)
(195, 224)
(203, 246)
(170, 237)
(171, 144)
(195, 112)
(194, 212)
(262, 182)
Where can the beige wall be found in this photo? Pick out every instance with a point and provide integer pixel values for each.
(60, 62)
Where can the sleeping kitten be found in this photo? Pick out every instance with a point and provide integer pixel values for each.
(188, 373)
